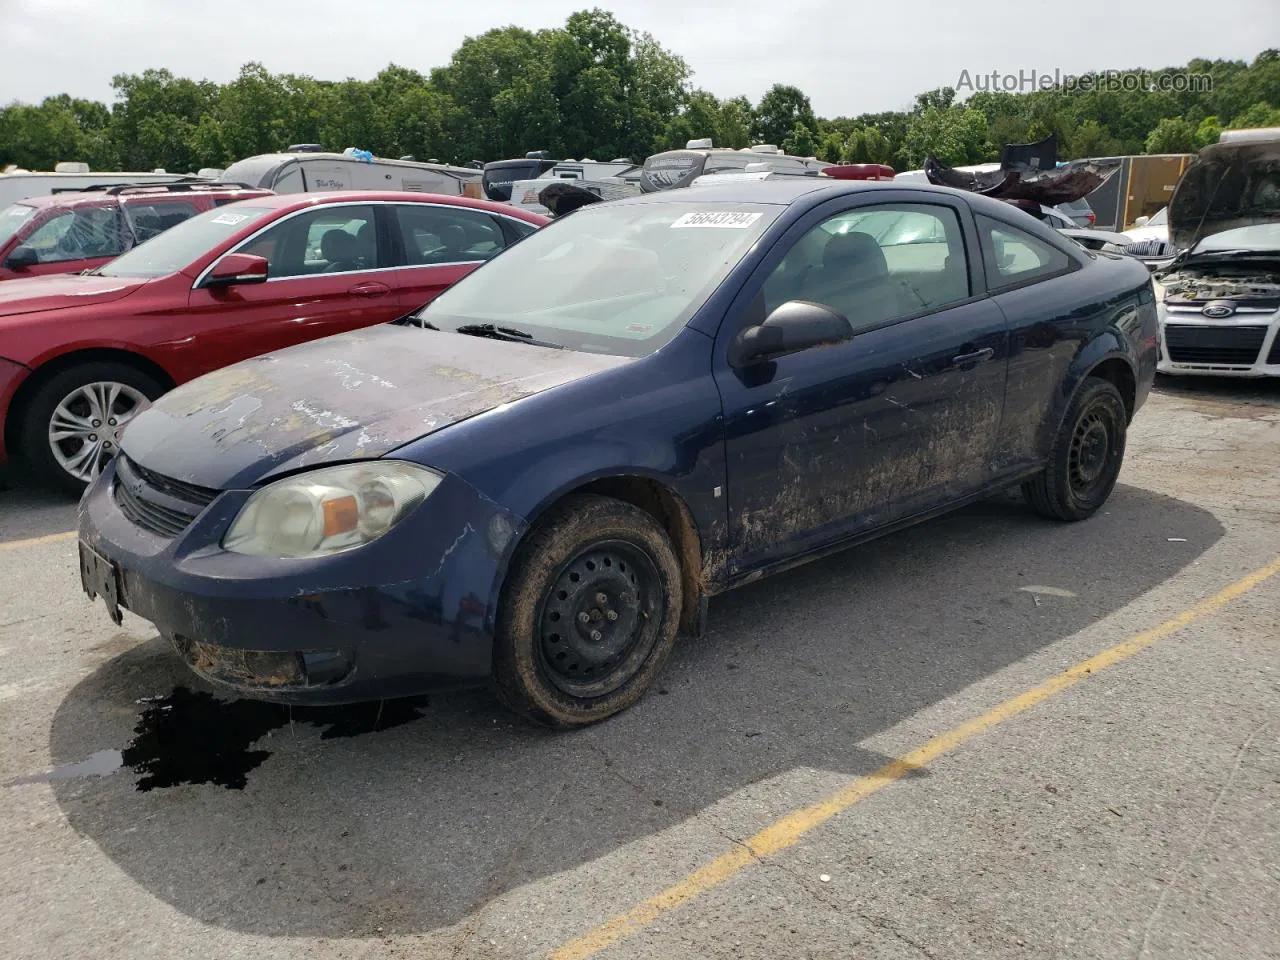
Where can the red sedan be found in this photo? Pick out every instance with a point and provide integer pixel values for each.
(81, 355)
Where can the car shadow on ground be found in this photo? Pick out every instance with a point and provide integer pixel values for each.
(28, 510)
(415, 827)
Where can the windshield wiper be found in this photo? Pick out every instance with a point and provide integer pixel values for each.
(496, 332)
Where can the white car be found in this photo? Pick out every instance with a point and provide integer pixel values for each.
(1219, 301)
(1154, 227)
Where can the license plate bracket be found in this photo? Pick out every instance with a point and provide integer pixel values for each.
(100, 577)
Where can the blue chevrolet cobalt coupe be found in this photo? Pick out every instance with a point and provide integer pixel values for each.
(539, 479)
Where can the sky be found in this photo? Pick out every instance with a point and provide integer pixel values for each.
(848, 58)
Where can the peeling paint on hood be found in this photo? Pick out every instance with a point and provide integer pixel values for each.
(359, 394)
(1228, 185)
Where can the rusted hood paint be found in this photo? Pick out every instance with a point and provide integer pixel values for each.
(1228, 185)
(356, 395)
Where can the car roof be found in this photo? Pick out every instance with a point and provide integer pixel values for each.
(299, 201)
(79, 198)
(787, 190)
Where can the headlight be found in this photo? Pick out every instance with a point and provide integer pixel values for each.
(327, 511)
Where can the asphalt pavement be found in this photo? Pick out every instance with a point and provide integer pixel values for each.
(988, 736)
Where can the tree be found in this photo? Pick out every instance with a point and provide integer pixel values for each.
(1172, 135)
(867, 145)
(780, 109)
(1259, 115)
(953, 136)
(801, 142)
(1209, 130)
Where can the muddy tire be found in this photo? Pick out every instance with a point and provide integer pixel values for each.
(589, 613)
(1087, 454)
(95, 400)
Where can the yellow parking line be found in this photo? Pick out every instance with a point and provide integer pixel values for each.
(789, 829)
(36, 541)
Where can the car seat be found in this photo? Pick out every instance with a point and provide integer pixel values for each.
(854, 281)
(341, 250)
(366, 245)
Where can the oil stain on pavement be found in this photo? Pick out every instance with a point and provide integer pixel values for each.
(193, 737)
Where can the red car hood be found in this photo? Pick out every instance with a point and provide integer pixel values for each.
(62, 290)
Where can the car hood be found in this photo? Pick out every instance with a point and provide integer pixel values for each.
(33, 294)
(356, 395)
(1228, 185)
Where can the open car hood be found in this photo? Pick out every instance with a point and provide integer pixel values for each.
(1227, 185)
(1029, 176)
(351, 396)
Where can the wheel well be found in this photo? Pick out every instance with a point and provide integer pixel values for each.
(670, 511)
(1119, 373)
(43, 373)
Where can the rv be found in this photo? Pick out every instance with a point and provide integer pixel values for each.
(307, 170)
(501, 176)
(69, 177)
(679, 168)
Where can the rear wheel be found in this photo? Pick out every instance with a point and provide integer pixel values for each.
(1087, 454)
(589, 615)
(74, 421)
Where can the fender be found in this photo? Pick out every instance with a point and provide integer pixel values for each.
(1107, 345)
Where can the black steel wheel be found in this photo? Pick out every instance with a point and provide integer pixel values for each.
(589, 613)
(598, 622)
(1087, 455)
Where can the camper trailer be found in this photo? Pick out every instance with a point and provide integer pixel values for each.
(68, 177)
(307, 170)
(501, 176)
(679, 168)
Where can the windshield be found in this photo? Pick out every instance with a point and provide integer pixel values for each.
(618, 279)
(12, 219)
(498, 177)
(1261, 237)
(1159, 219)
(178, 246)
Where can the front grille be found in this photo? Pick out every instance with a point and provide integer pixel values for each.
(1219, 346)
(163, 505)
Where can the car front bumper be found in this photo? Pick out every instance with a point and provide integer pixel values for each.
(1245, 344)
(409, 613)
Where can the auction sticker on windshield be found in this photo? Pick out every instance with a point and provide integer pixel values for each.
(231, 219)
(731, 221)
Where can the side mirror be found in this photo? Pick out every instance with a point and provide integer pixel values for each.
(794, 326)
(21, 258)
(1141, 222)
(237, 268)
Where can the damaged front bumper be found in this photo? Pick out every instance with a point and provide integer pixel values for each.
(409, 613)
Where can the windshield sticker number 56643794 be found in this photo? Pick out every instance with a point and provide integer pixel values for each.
(723, 220)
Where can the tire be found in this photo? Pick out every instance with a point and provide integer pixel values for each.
(133, 391)
(1087, 454)
(547, 665)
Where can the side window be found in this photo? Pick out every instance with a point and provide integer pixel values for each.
(876, 264)
(80, 234)
(151, 219)
(1013, 256)
(437, 234)
(328, 239)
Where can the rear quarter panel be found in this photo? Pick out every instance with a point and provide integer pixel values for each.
(1062, 329)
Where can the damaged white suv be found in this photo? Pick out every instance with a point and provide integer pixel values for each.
(1219, 300)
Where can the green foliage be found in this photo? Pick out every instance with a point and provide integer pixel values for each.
(596, 88)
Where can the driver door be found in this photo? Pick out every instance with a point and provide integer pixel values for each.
(326, 275)
(836, 441)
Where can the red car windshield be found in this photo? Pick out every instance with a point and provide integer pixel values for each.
(12, 219)
(178, 246)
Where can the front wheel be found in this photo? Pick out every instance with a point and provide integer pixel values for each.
(1087, 454)
(589, 614)
(73, 424)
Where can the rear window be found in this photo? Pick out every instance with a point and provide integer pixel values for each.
(12, 219)
(177, 247)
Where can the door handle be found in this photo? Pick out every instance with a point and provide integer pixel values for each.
(370, 289)
(969, 359)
